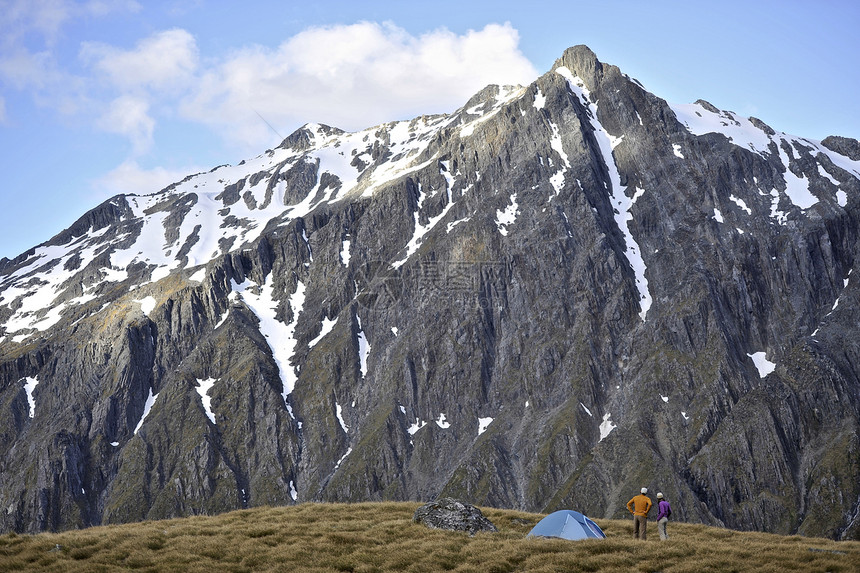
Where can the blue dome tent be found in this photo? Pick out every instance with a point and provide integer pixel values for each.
(567, 524)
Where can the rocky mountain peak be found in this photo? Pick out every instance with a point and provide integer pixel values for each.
(582, 62)
(551, 297)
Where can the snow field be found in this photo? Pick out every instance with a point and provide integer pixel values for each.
(206, 228)
(46, 268)
(743, 133)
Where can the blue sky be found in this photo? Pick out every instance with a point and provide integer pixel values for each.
(99, 97)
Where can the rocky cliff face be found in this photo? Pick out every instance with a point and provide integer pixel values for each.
(547, 299)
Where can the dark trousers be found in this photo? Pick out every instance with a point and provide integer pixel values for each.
(640, 523)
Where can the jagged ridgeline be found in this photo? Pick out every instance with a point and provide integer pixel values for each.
(547, 299)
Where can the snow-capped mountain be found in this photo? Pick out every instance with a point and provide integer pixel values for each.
(549, 298)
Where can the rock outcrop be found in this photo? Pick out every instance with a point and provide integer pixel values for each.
(547, 299)
(453, 515)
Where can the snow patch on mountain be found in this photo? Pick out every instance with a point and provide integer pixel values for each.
(199, 275)
(417, 425)
(147, 304)
(776, 213)
(30, 384)
(740, 203)
(203, 388)
(150, 245)
(363, 348)
(33, 288)
(540, 99)
(744, 133)
(339, 415)
(421, 230)
(506, 217)
(506, 94)
(796, 187)
(741, 131)
(409, 142)
(222, 320)
(147, 407)
(341, 460)
(260, 299)
(606, 426)
(344, 252)
(327, 326)
(189, 223)
(557, 179)
(823, 172)
(762, 364)
(621, 202)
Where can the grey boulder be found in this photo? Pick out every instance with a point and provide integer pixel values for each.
(447, 513)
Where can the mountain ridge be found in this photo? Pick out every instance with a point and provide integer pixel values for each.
(550, 297)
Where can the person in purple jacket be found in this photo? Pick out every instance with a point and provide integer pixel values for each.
(664, 510)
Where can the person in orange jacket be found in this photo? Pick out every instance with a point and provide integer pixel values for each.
(639, 506)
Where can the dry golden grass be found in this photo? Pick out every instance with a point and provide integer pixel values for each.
(380, 537)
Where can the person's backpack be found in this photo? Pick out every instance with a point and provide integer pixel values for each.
(668, 510)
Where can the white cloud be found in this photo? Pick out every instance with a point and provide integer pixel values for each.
(352, 77)
(129, 177)
(30, 60)
(154, 73)
(349, 76)
(162, 61)
(2, 110)
(129, 116)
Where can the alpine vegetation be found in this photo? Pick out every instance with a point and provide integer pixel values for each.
(544, 300)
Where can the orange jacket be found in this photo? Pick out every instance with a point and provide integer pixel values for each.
(639, 505)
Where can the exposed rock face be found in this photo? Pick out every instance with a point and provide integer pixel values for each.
(843, 145)
(548, 299)
(447, 513)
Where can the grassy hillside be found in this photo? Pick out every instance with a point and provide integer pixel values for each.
(381, 537)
